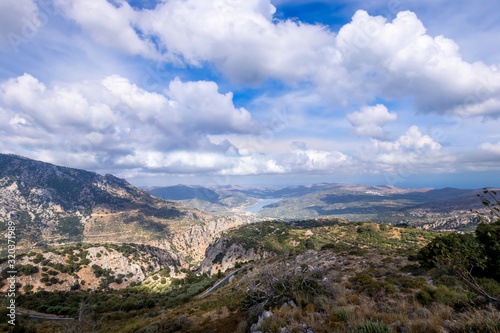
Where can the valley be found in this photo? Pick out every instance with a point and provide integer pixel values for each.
(316, 258)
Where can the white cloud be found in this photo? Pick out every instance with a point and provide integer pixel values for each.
(240, 37)
(397, 59)
(369, 57)
(371, 120)
(114, 117)
(109, 25)
(411, 150)
(491, 148)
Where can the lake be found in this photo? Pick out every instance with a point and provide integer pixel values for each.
(258, 206)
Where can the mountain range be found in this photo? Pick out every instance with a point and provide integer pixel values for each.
(436, 209)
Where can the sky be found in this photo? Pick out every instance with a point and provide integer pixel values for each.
(255, 92)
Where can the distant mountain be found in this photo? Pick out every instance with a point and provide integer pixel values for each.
(53, 205)
(437, 209)
(217, 201)
(184, 192)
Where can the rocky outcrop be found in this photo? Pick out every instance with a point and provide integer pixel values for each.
(195, 240)
(225, 254)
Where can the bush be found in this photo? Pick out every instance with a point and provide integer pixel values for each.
(372, 327)
(164, 272)
(342, 314)
(441, 294)
(28, 269)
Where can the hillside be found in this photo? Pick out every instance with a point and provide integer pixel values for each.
(351, 277)
(53, 205)
(264, 239)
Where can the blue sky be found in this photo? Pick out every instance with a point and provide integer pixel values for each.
(399, 92)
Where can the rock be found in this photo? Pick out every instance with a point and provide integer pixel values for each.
(423, 313)
(397, 323)
(447, 324)
(403, 330)
(265, 314)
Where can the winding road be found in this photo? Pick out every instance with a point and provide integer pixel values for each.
(220, 283)
(39, 316)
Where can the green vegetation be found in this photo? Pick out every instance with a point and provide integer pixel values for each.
(297, 237)
(468, 256)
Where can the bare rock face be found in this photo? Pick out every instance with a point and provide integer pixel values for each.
(224, 254)
(196, 239)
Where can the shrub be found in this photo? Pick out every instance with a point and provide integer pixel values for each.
(441, 294)
(342, 314)
(38, 258)
(369, 326)
(163, 272)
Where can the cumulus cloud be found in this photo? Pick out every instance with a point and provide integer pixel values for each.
(216, 163)
(114, 117)
(371, 120)
(369, 57)
(109, 25)
(402, 60)
(412, 151)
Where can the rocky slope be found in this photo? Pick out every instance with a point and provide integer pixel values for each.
(267, 239)
(53, 205)
(89, 267)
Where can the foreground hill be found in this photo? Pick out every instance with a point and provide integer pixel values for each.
(53, 205)
(266, 239)
(322, 275)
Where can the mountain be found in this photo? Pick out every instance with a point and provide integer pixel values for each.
(184, 192)
(53, 205)
(217, 201)
(436, 209)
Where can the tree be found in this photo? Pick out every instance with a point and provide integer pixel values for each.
(467, 255)
(460, 254)
(488, 234)
(490, 200)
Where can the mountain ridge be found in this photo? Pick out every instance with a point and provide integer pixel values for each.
(54, 205)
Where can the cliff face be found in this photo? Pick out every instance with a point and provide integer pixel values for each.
(224, 254)
(196, 239)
